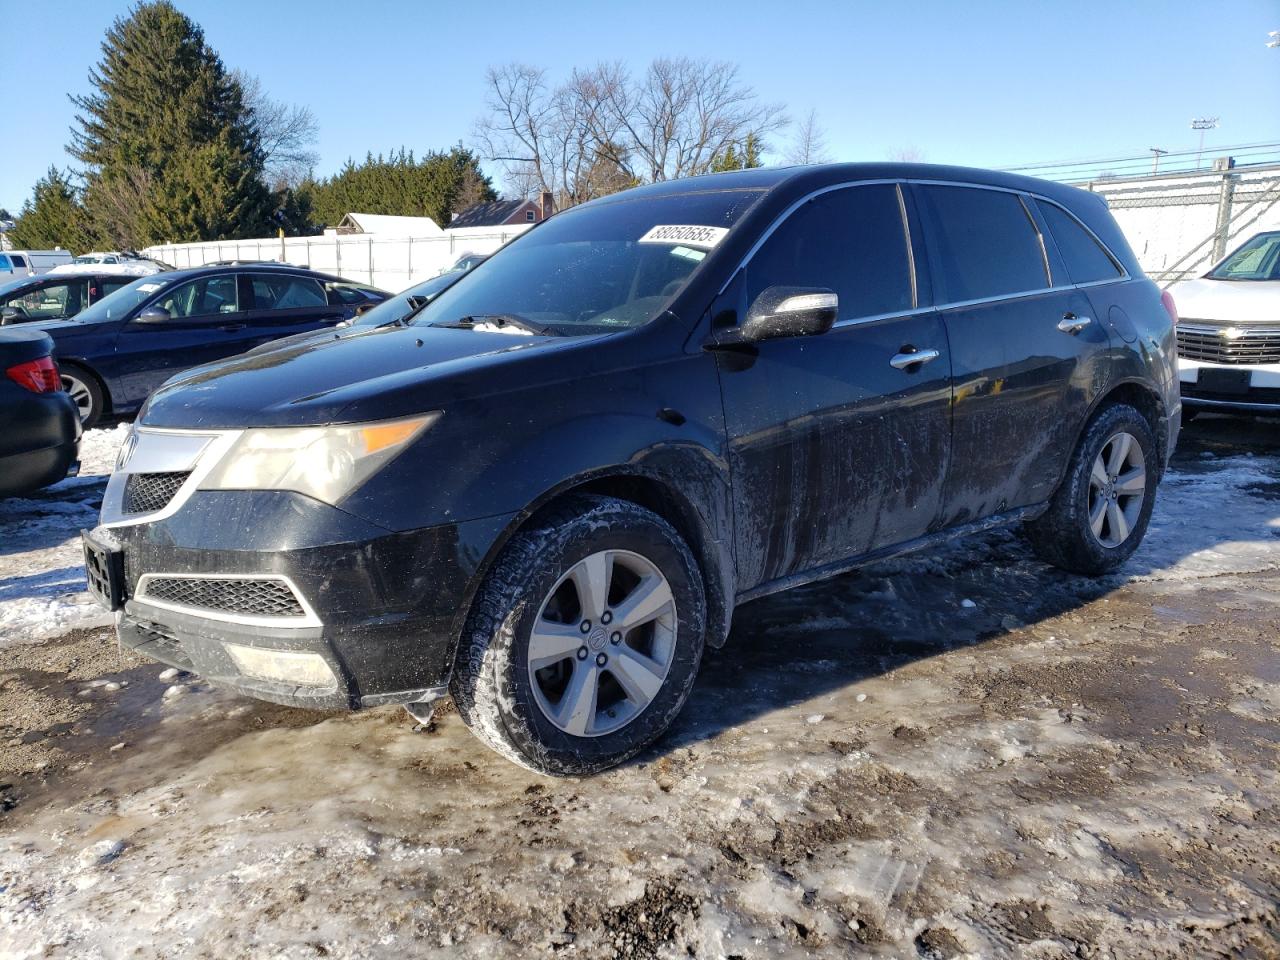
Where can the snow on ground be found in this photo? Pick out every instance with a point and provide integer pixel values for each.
(1057, 768)
(42, 584)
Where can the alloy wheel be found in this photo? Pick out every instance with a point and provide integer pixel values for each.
(79, 392)
(1117, 489)
(603, 643)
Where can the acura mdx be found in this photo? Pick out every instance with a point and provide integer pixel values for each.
(546, 490)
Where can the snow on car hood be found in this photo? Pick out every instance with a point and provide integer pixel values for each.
(1228, 301)
(377, 374)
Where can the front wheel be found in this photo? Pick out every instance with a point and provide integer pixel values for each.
(1099, 514)
(84, 390)
(584, 639)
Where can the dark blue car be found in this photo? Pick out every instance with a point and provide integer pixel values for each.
(113, 354)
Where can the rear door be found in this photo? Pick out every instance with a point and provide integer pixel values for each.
(206, 322)
(1023, 341)
(834, 449)
(282, 304)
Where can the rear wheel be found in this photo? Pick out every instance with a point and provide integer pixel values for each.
(1100, 513)
(85, 391)
(585, 639)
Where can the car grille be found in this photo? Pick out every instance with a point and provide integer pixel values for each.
(149, 492)
(253, 597)
(1226, 344)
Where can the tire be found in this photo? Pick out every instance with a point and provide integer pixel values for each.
(512, 703)
(86, 391)
(1066, 535)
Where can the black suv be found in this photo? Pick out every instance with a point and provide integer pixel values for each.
(546, 490)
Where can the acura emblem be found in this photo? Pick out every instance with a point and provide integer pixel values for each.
(126, 449)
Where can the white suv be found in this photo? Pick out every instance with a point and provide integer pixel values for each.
(1229, 332)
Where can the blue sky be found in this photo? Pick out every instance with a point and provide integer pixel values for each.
(983, 83)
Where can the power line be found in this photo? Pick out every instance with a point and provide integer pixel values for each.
(1235, 149)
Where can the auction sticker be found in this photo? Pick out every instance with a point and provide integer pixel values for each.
(687, 234)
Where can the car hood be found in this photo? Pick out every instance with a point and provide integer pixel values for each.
(376, 374)
(1228, 301)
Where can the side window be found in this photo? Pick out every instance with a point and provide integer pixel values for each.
(49, 301)
(283, 292)
(206, 297)
(4, 262)
(1085, 259)
(19, 261)
(982, 243)
(852, 241)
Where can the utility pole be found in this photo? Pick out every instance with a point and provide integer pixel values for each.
(1156, 154)
(1202, 124)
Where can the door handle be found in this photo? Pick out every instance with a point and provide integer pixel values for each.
(916, 358)
(1072, 324)
(231, 327)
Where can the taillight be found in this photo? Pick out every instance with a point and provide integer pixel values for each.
(1166, 298)
(38, 376)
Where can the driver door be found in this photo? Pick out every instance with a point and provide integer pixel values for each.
(837, 447)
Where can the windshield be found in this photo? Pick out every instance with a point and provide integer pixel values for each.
(114, 306)
(397, 307)
(1258, 259)
(597, 269)
(17, 284)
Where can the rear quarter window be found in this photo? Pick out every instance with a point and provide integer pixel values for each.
(982, 243)
(1085, 259)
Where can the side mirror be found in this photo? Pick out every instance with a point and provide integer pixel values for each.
(10, 315)
(153, 315)
(782, 312)
(364, 308)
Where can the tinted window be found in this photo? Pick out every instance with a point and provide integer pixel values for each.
(284, 292)
(851, 241)
(49, 301)
(1085, 259)
(208, 296)
(19, 261)
(4, 262)
(982, 243)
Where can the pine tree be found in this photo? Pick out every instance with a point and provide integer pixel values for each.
(731, 159)
(53, 217)
(164, 115)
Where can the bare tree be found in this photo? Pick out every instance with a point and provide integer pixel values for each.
(604, 128)
(287, 132)
(810, 142)
(908, 154)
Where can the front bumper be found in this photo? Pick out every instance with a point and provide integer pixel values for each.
(382, 610)
(1241, 388)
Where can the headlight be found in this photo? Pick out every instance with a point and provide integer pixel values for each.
(323, 462)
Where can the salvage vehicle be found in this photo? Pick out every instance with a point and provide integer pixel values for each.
(546, 491)
(54, 296)
(30, 263)
(1229, 332)
(118, 350)
(39, 424)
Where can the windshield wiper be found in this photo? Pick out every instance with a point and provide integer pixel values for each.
(501, 320)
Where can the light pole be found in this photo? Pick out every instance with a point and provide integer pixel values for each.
(1202, 124)
(1156, 154)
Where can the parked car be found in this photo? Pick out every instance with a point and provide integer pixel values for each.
(54, 296)
(30, 263)
(126, 264)
(1229, 331)
(39, 423)
(546, 492)
(468, 261)
(120, 349)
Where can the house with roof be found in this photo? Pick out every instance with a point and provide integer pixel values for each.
(503, 213)
(385, 225)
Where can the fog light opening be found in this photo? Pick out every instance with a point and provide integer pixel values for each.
(287, 666)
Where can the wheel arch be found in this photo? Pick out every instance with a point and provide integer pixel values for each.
(82, 367)
(1144, 398)
(645, 490)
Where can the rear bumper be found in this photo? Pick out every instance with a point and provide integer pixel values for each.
(378, 612)
(39, 439)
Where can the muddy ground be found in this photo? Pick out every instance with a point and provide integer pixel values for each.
(873, 766)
